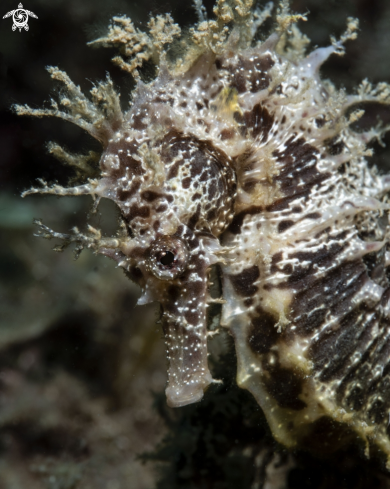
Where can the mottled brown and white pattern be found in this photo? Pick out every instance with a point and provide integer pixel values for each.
(238, 154)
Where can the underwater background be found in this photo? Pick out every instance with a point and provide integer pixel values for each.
(82, 371)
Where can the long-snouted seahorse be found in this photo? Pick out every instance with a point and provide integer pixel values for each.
(238, 154)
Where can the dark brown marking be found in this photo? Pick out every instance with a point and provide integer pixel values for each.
(127, 194)
(212, 189)
(258, 121)
(335, 146)
(238, 220)
(284, 203)
(186, 182)
(259, 77)
(193, 220)
(277, 257)
(249, 186)
(284, 225)
(158, 99)
(162, 208)
(211, 215)
(249, 73)
(128, 166)
(204, 176)
(243, 282)
(138, 211)
(313, 215)
(174, 169)
(263, 334)
(150, 196)
(285, 386)
(197, 163)
(131, 164)
(227, 134)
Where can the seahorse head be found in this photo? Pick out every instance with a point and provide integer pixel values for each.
(176, 194)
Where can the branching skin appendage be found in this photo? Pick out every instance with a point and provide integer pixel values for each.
(238, 154)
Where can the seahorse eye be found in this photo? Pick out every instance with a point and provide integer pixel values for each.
(168, 257)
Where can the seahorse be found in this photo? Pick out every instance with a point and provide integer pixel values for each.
(238, 156)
